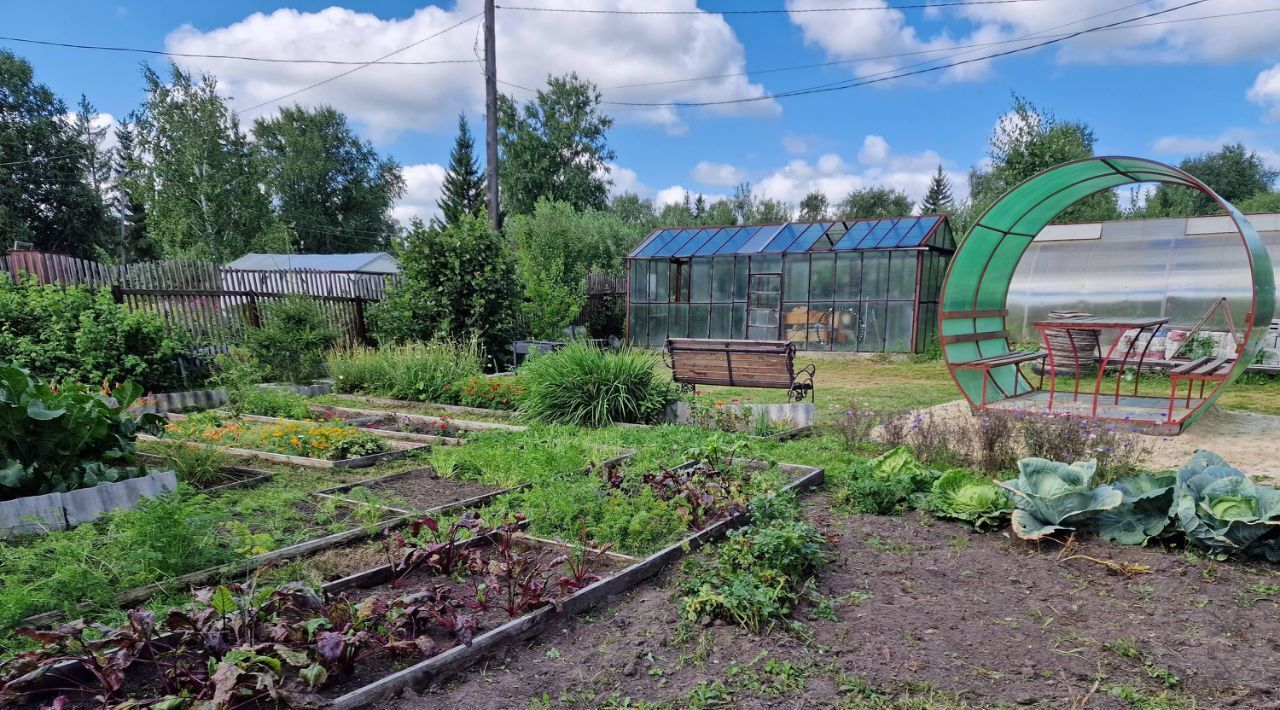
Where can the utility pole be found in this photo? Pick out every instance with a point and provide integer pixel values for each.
(491, 113)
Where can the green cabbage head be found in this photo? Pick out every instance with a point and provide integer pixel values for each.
(965, 496)
(1143, 513)
(1050, 497)
(1219, 507)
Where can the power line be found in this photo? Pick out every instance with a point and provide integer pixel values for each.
(192, 55)
(823, 88)
(358, 68)
(768, 11)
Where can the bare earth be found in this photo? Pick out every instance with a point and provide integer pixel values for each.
(1248, 441)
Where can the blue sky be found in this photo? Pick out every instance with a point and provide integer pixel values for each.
(1155, 90)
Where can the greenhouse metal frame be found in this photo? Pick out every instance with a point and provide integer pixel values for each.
(869, 285)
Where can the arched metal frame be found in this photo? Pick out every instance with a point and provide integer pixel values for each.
(976, 287)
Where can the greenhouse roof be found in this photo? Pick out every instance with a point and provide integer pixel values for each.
(791, 237)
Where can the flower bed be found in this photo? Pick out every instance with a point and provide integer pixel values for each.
(317, 444)
(418, 423)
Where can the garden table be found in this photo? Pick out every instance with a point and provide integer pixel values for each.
(1098, 324)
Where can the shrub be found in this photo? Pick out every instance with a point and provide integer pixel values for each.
(586, 386)
(420, 371)
(269, 402)
(73, 334)
(488, 392)
(1067, 438)
(56, 441)
(292, 339)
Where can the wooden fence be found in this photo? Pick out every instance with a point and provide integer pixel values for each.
(214, 303)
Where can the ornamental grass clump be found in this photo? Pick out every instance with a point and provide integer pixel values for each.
(583, 385)
(417, 371)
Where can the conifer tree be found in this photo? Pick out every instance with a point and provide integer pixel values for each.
(938, 198)
(463, 190)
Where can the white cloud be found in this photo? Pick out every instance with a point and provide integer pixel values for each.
(1266, 91)
(1176, 147)
(625, 180)
(875, 150)
(795, 144)
(422, 185)
(100, 121)
(718, 174)
(531, 45)
(671, 195)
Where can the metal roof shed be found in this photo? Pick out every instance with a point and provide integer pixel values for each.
(376, 262)
(866, 285)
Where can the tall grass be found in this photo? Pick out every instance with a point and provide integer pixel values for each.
(420, 371)
(585, 386)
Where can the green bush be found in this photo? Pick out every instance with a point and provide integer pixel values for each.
(420, 371)
(292, 340)
(586, 386)
(269, 402)
(55, 441)
(73, 334)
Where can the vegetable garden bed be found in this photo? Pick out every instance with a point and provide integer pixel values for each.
(421, 490)
(37, 515)
(403, 404)
(364, 417)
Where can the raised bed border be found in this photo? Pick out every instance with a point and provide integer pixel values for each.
(165, 402)
(253, 476)
(336, 492)
(53, 512)
(466, 424)
(457, 659)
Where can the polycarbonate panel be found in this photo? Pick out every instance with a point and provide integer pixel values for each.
(876, 235)
(762, 237)
(738, 240)
(722, 279)
(696, 242)
(795, 277)
(848, 275)
(659, 240)
(822, 274)
(715, 243)
(902, 275)
(677, 242)
(810, 236)
(784, 238)
(897, 235)
(899, 324)
(851, 238)
(700, 282)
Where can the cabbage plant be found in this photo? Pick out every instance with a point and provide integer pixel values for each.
(965, 496)
(1143, 513)
(1219, 507)
(1050, 496)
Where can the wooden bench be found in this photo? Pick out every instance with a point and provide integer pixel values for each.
(765, 364)
(986, 364)
(1200, 370)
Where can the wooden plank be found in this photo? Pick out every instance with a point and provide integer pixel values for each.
(1211, 367)
(1188, 367)
(989, 313)
(975, 337)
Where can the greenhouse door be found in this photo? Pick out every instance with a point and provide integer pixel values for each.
(764, 306)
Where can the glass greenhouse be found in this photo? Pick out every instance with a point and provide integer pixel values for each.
(857, 286)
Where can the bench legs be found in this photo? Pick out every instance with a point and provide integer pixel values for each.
(802, 384)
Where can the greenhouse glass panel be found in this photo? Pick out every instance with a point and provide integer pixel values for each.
(679, 240)
(697, 242)
(898, 326)
(639, 284)
(919, 231)
(848, 275)
(698, 314)
(657, 326)
(795, 280)
(766, 264)
(638, 327)
(795, 322)
(658, 281)
(844, 327)
(678, 321)
(721, 278)
(822, 277)
(877, 234)
(872, 328)
(820, 316)
(721, 321)
(762, 237)
(902, 275)
(739, 321)
(857, 230)
(716, 242)
(898, 233)
(811, 236)
(875, 275)
(742, 271)
(657, 242)
(700, 282)
(782, 241)
(738, 240)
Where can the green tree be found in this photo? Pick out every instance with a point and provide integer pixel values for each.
(1234, 172)
(97, 161)
(44, 198)
(768, 211)
(458, 282)
(1260, 202)
(195, 173)
(554, 147)
(877, 201)
(634, 211)
(131, 240)
(463, 189)
(814, 207)
(328, 186)
(721, 212)
(1027, 141)
(937, 199)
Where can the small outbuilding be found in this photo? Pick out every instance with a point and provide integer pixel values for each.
(866, 285)
(376, 262)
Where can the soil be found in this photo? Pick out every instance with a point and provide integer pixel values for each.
(319, 523)
(926, 609)
(1245, 440)
(422, 490)
(392, 422)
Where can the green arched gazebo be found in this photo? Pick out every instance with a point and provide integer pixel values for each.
(974, 337)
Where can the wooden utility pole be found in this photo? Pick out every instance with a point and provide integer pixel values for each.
(491, 113)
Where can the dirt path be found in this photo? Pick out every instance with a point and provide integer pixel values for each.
(925, 609)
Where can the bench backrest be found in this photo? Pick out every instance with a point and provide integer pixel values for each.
(732, 363)
(998, 334)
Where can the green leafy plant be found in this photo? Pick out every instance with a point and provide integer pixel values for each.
(885, 485)
(1051, 497)
(418, 371)
(1144, 511)
(199, 466)
(586, 386)
(1218, 507)
(269, 402)
(292, 339)
(55, 441)
(966, 496)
